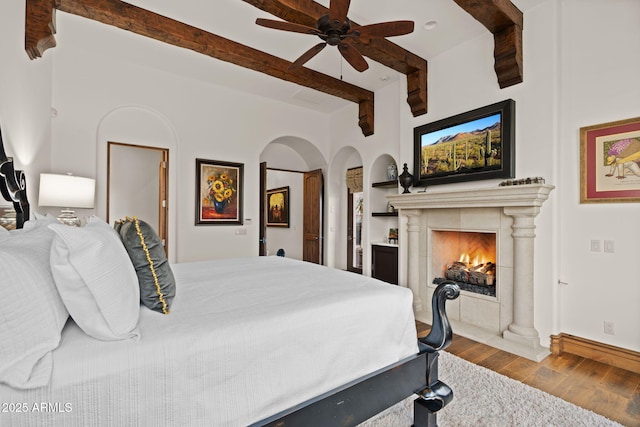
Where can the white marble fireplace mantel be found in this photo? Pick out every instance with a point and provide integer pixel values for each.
(527, 195)
(510, 211)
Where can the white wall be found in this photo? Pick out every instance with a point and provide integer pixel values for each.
(599, 65)
(25, 100)
(207, 121)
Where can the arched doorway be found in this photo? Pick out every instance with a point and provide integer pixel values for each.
(147, 129)
(296, 165)
(347, 241)
(148, 168)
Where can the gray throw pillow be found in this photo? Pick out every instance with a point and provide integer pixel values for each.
(157, 284)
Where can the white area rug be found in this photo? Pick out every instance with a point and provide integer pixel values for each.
(485, 398)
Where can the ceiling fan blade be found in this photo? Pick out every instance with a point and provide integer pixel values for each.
(385, 29)
(338, 10)
(307, 56)
(286, 26)
(353, 57)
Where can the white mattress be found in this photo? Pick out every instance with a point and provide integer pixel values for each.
(246, 338)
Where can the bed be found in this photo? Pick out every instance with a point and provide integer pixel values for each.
(249, 341)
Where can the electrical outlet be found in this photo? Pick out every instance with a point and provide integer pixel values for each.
(609, 328)
(595, 246)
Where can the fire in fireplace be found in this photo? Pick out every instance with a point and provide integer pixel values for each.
(483, 273)
(468, 258)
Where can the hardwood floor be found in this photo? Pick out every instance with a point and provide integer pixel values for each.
(604, 389)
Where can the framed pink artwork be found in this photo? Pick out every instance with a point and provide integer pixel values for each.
(610, 162)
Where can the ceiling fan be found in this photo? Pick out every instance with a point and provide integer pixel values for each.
(334, 28)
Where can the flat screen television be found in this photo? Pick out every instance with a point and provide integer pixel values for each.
(478, 144)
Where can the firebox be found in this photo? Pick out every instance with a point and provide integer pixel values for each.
(466, 257)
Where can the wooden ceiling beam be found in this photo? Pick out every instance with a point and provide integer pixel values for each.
(307, 12)
(40, 30)
(505, 22)
(40, 27)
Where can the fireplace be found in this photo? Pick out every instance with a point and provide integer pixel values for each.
(436, 227)
(466, 257)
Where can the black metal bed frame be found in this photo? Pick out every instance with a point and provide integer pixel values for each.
(351, 403)
(13, 186)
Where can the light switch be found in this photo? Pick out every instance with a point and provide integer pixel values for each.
(609, 246)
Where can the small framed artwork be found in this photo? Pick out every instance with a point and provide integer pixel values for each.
(393, 235)
(278, 207)
(610, 162)
(219, 192)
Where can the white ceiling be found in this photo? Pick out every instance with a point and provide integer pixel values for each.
(235, 19)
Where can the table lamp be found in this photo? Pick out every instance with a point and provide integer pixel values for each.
(67, 192)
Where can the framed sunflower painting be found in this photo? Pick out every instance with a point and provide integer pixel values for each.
(219, 192)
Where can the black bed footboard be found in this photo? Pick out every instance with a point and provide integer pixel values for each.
(363, 398)
(13, 186)
(357, 401)
(436, 395)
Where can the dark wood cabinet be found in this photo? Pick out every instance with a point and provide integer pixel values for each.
(384, 263)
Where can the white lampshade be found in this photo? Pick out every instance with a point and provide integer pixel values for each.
(66, 191)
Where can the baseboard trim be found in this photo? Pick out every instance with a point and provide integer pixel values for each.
(604, 353)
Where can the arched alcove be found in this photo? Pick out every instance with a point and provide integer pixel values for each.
(141, 126)
(305, 149)
(378, 171)
(379, 186)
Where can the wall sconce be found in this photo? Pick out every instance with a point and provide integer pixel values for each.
(67, 191)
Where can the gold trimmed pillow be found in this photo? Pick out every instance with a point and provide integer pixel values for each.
(157, 284)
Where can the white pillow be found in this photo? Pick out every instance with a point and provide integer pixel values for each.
(39, 217)
(37, 221)
(32, 314)
(96, 280)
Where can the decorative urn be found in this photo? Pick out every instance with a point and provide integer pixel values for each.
(406, 179)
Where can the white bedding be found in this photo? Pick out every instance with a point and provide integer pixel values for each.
(246, 338)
